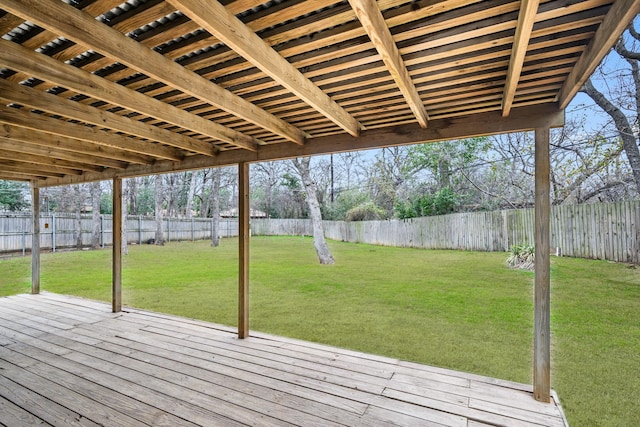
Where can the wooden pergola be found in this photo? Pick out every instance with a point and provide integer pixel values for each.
(105, 89)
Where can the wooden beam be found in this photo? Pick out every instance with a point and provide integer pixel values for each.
(89, 140)
(374, 24)
(24, 150)
(35, 238)
(526, 19)
(17, 176)
(615, 22)
(243, 248)
(48, 161)
(116, 259)
(67, 148)
(17, 57)
(33, 98)
(38, 167)
(24, 169)
(82, 28)
(218, 21)
(542, 294)
(481, 124)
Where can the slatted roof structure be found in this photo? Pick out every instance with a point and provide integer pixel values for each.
(95, 89)
(105, 89)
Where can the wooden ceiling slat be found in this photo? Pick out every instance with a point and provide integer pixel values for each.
(345, 79)
(19, 130)
(53, 147)
(614, 23)
(376, 27)
(94, 135)
(81, 81)
(8, 22)
(77, 25)
(94, 9)
(25, 176)
(56, 105)
(526, 19)
(224, 25)
(37, 169)
(49, 161)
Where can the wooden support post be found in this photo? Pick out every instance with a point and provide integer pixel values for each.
(542, 293)
(116, 275)
(35, 239)
(243, 256)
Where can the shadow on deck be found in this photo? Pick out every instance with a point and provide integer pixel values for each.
(67, 360)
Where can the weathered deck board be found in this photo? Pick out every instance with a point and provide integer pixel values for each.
(69, 361)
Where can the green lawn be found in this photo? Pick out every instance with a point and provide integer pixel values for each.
(460, 310)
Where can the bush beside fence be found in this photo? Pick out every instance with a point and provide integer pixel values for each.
(609, 231)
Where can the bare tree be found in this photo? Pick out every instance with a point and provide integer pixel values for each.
(171, 193)
(584, 166)
(78, 199)
(190, 194)
(132, 190)
(303, 168)
(125, 212)
(388, 177)
(626, 123)
(96, 194)
(268, 176)
(346, 165)
(159, 212)
(216, 177)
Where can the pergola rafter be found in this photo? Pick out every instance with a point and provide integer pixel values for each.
(526, 19)
(379, 33)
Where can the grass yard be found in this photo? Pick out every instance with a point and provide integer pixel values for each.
(459, 310)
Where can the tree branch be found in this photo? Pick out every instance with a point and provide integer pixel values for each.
(485, 191)
(624, 52)
(633, 32)
(625, 130)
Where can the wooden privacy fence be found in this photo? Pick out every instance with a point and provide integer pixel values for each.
(609, 231)
(60, 230)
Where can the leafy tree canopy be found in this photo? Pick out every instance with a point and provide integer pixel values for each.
(13, 195)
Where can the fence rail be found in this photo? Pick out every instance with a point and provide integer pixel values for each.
(608, 231)
(59, 231)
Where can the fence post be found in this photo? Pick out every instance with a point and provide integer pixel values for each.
(193, 235)
(23, 242)
(139, 229)
(168, 229)
(53, 232)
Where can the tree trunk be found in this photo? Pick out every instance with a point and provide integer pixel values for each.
(132, 189)
(79, 204)
(625, 130)
(125, 213)
(215, 209)
(192, 189)
(324, 255)
(159, 214)
(96, 193)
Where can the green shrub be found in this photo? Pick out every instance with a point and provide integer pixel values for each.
(522, 256)
(366, 211)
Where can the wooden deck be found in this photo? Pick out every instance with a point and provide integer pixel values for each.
(70, 361)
